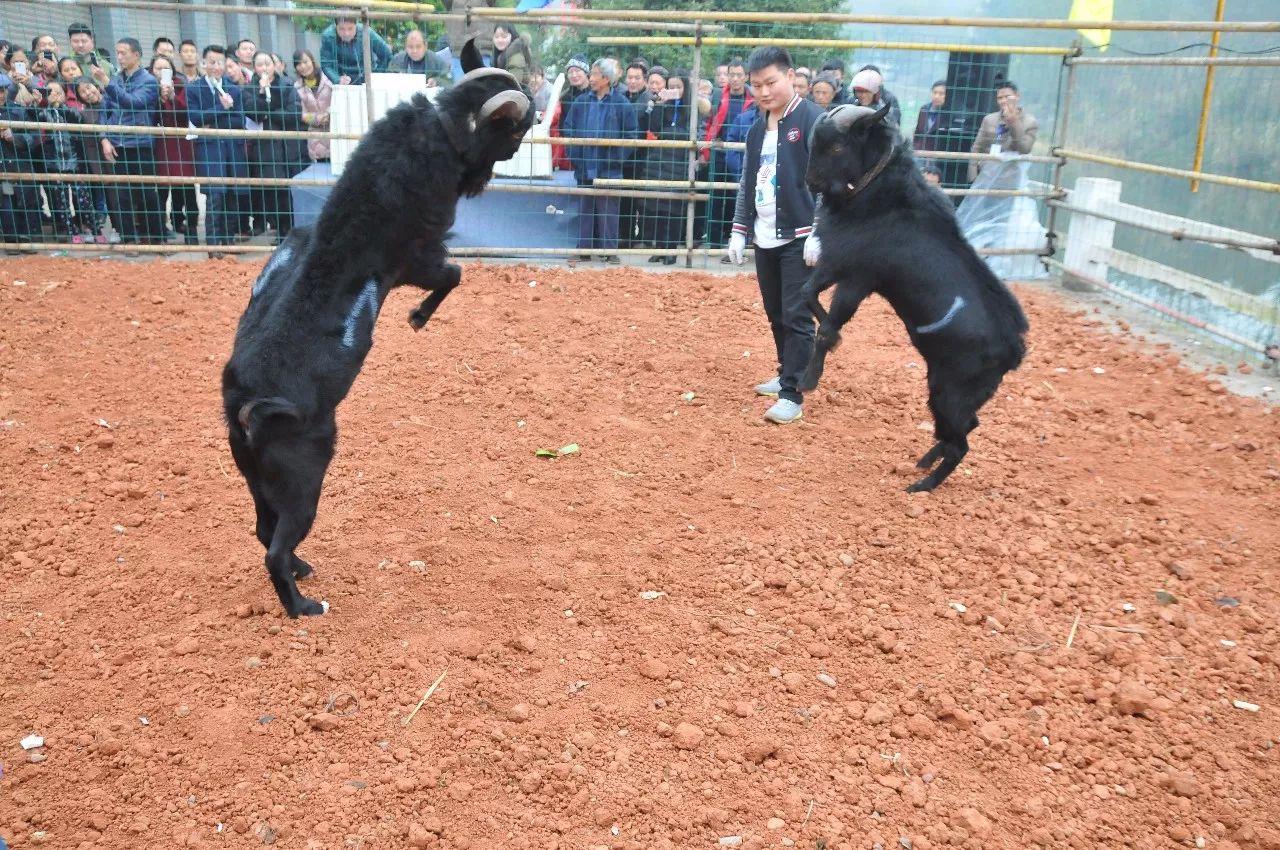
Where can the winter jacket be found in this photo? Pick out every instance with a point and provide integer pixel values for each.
(175, 155)
(216, 156)
(131, 100)
(275, 108)
(315, 102)
(1018, 136)
(63, 153)
(339, 58)
(796, 204)
(591, 117)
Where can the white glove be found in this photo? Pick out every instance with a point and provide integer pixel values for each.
(737, 248)
(812, 250)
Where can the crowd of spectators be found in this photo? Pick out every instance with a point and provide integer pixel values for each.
(239, 86)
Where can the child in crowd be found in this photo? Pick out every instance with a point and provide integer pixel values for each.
(69, 202)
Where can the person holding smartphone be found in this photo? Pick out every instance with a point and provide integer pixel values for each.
(175, 156)
(85, 53)
(273, 103)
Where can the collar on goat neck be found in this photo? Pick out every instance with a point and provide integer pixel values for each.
(865, 180)
(457, 138)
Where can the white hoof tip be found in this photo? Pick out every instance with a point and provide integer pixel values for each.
(324, 607)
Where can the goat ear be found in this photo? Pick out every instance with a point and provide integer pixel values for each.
(470, 57)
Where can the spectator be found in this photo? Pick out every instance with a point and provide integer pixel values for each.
(28, 79)
(315, 94)
(734, 99)
(70, 203)
(600, 113)
(835, 67)
(105, 205)
(721, 81)
(866, 91)
(45, 43)
(84, 51)
(575, 75)
(636, 89)
(175, 155)
(886, 96)
(511, 52)
(273, 103)
(163, 46)
(282, 71)
(19, 211)
(342, 52)
(824, 90)
(776, 207)
(416, 59)
(667, 117)
(1010, 129)
(932, 175)
(216, 104)
(6, 48)
(245, 51)
(541, 90)
(656, 80)
(189, 56)
(131, 99)
(932, 122)
(68, 75)
(803, 80)
(637, 93)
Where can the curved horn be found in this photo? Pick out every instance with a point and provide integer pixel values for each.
(505, 102)
(845, 114)
(487, 72)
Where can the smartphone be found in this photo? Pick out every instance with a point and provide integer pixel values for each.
(93, 59)
(19, 67)
(166, 76)
(48, 54)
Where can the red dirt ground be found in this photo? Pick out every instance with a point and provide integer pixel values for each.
(141, 638)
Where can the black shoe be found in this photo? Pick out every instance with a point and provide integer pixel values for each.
(611, 259)
(584, 258)
(726, 261)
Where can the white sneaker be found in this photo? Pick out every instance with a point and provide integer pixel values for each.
(784, 412)
(771, 387)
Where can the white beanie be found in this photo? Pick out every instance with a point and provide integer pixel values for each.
(867, 79)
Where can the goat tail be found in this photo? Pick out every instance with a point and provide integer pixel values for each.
(254, 414)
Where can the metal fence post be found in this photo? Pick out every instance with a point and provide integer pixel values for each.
(692, 98)
(1060, 133)
(368, 64)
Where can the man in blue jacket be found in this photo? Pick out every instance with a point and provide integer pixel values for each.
(215, 103)
(342, 51)
(599, 113)
(776, 208)
(131, 99)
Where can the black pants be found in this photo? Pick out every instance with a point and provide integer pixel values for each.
(184, 211)
(141, 216)
(782, 273)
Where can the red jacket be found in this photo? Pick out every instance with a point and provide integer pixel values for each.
(175, 156)
(717, 120)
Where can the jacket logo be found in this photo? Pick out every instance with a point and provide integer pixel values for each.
(793, 135)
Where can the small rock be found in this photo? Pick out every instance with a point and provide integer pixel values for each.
(974, 822)
(652, 668)
(920, 726)
(525, 642)
(687, 736)
(406, 784)
(878, 713)
(187, 646)
(792, 682)
(759, 750)
(775, 823)
(519, 712)
(827, 679)
(323, 722)
(1133, 698)
(1181, 784)
(68, 570)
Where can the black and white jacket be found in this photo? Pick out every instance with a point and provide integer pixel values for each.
(796, 204)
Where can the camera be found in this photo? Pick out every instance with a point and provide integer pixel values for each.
(47, 54)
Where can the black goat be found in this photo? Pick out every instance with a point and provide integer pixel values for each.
(309, 325)
(884, 229)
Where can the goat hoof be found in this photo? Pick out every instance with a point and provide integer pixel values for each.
(417, 321)
(307, 608)
(301, 569)
(924, 485)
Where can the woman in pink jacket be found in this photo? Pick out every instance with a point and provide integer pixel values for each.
(315, 93)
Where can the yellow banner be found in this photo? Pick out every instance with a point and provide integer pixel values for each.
(1094, 10)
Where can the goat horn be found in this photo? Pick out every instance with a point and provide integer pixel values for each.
(487, 72)
(845, 114)
(503, 99)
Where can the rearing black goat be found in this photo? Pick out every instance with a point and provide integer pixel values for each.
(309, 325)
(884, 229)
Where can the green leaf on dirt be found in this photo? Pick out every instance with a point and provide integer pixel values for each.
(689, 396)
(1164, 597)
(570, 449)
(547, 453)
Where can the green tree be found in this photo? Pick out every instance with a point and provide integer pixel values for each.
(559, 46)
